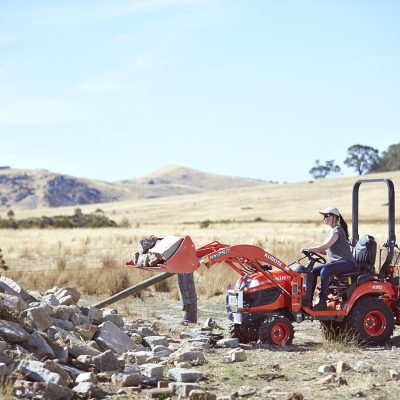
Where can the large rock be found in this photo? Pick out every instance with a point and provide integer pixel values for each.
(12, 332)
(77, 347)
(8, 286)
(138, 357)
(88, 390)
(192, 357)
(111, 337)
(124, 380)
(38, 345)
(153, 341)
(184, 375)
(35, 371)
(57, 392)
(86, 377)
(12, 304)
(107, 361)
(183, 389)
(95, 315)
(68, 291)
(152, 370)
(115, 319)
(54, 367)
(40, 317)
(166, 247)
(62, 312)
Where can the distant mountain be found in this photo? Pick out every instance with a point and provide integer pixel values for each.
(30, 189)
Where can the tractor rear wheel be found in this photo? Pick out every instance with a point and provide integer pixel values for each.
(277, 331)
(242, 333)
(371, 320)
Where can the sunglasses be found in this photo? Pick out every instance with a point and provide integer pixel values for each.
(326, 215)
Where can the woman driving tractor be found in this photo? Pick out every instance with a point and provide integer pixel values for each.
(337, 248)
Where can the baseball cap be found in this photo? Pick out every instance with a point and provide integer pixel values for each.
(330, 210)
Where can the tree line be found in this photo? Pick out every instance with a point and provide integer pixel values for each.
(364, 159)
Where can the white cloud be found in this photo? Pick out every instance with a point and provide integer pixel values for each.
(33, 111)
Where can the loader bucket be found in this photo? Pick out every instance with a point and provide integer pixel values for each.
(183, 261)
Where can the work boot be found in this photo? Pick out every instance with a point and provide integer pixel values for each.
(321, 305)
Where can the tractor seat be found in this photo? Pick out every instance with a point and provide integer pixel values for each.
(364, 253)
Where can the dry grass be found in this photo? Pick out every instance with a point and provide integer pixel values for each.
(267, 216)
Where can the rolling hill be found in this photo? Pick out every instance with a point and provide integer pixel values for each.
(33, 189)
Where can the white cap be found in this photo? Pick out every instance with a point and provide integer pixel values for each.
(330, 210)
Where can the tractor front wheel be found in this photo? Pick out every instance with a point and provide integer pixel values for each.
(277, 331)
(242, 333)
(371, 320)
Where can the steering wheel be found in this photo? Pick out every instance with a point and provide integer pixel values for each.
(312, 255)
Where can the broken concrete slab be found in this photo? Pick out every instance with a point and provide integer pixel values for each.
(153, 341)
(116, 319)
(111, 337)
(192, 357)
(77, 347)
(145, 245)
(166, 247)
(184, 375)
(38, 345)
(57, 392)
(12, 304)
(12, 332)
(125, 380)
(88, 390)
(68, 291)
(7, 285)
(86, 377)
(152, 370)
(108, 361)
(39, 316)
(34, 370)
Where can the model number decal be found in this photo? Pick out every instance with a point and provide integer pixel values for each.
(219, 254)
(377, 287)
(273, 259)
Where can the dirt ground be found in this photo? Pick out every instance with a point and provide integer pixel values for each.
(272, 373)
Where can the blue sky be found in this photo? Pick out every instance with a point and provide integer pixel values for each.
(114, 89)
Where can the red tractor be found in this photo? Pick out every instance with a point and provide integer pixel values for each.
(271, 295)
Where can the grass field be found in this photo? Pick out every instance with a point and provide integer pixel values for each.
(280, 218)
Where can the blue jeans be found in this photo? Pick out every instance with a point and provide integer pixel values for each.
(329, 269)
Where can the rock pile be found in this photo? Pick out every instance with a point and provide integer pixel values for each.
(51, 348)
(153, 251)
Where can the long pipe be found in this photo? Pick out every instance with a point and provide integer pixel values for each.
(133, 289)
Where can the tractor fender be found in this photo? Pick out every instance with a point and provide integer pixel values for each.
(371, 289)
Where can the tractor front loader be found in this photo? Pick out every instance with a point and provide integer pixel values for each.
(270, 296)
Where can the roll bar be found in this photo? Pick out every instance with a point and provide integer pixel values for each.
(391, 240)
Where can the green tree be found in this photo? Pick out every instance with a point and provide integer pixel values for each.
(390, 160)
(362, 158)
(321, 171)
(10, 214)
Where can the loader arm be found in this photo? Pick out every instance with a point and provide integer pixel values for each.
(244, 259)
